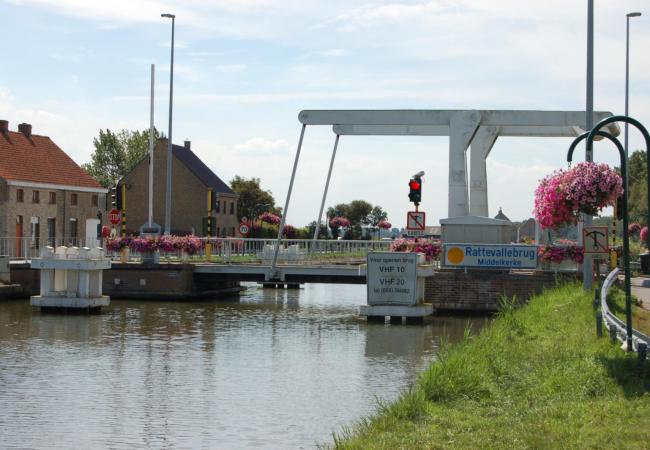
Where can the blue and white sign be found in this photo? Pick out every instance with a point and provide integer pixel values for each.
(490, 256)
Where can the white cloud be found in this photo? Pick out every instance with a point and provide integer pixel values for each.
(262, 145)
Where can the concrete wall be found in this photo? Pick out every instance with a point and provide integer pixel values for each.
(189, 198)
(480, 291)
(139, 282)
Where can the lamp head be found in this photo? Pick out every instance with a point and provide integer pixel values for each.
(633, 14)
(170, 16)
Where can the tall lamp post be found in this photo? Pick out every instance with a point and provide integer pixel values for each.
(627, 74)
(168, 184)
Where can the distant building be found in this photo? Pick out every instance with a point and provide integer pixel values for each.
(501, 216)
(45, 197)
(191, 179)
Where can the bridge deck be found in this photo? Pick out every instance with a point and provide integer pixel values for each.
(351, 274)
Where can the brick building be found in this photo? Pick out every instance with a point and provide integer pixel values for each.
(44, 195)
(191, 179)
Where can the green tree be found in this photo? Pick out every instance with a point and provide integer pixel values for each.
(253, 200)
(359, 213)
(116, 154)
(638, 182)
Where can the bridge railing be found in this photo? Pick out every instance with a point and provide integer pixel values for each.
(224, 250)
(19, 248)
(291, 251)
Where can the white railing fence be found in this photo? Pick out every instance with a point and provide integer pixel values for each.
(224, 250)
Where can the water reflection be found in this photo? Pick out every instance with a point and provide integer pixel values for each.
(272, 369)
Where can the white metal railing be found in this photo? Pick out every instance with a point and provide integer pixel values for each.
(291, 251)
(224, 250)
(28, 248)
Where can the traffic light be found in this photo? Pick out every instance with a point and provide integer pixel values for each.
(116, 197)
(618, 208)
(415, 190)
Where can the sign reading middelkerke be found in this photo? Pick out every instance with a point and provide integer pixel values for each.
(490, 256)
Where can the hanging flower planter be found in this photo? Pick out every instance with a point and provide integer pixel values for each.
(586, 188)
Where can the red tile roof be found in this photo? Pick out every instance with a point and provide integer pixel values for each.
(37, 159)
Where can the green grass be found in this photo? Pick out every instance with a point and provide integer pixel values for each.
(537, 377)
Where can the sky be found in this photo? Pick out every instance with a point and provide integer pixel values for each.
(244, 69)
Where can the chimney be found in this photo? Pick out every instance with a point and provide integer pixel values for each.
(4, 126)
(187, 144)
(25, 129)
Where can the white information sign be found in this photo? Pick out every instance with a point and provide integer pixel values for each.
(392, 278)
(490, 256)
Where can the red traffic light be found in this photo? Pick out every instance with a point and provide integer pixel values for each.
(414, 185)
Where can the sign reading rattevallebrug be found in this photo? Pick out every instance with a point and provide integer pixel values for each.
(490, 256)
(392, 278)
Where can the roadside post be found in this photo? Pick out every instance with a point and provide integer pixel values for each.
(123, 210)
(208, 245)
(595, 242)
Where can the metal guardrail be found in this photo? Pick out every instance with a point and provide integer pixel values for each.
(616, 326)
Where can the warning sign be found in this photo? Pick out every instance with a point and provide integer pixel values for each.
(595, 240)
(415, 221)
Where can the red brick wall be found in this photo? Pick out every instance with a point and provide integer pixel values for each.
(478, 291)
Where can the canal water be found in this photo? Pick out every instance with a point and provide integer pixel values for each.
(273, 369)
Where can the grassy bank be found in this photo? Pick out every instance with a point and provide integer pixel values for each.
(538, 377)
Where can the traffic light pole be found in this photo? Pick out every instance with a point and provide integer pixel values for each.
(208, 245)
(123, 210)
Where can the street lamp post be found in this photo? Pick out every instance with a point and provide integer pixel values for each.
(627, 74)
(168, 184)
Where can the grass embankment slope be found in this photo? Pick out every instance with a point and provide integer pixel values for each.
(537, 377)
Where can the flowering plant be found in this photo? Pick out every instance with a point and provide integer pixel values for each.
(191, 244)
(588, 187)
(561, 251)
(289, 231)
(117, 244)
(634, 228)
(270, 218)
(339, 221)
(143, 244)
(643, 234)
(168, 243)
(430, 248)
(384, 224)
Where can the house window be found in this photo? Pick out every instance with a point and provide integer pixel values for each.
(51, 231)
(73, 199)
(72, 237)
(218, 208)
(232, 208)
(19, 195)
(36, 197)
(52, 198)
(94, 200)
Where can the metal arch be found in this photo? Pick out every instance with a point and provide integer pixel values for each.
(646, 136)
(590, 136)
